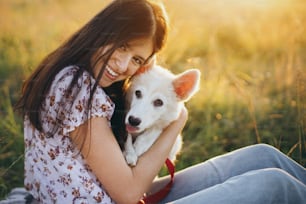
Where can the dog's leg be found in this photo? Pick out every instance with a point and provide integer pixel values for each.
(145, 141)
(129, 151)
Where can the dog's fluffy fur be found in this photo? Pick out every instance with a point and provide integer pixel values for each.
(155, 99)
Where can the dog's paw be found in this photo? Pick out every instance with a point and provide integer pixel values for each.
(131, 158)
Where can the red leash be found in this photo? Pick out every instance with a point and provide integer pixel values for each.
(159, 195)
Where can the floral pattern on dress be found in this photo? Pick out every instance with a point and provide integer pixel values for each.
(54, 171)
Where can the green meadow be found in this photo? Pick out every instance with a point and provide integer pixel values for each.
(252, 55)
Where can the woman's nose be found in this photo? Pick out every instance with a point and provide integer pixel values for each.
(123, 62)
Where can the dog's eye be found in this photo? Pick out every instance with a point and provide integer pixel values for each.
(158, 103)
(138, 94)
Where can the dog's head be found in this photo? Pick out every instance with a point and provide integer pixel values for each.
(155, 97)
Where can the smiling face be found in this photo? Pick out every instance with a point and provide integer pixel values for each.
(124, 62)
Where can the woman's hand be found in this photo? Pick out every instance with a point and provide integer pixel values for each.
(178, 125)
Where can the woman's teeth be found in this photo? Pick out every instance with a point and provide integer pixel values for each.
(111, 72)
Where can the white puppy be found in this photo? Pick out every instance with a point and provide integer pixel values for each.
(155, 99)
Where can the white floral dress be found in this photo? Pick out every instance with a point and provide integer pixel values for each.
(54, 171)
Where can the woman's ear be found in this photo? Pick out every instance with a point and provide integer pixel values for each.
(150, 63)
(187, 84)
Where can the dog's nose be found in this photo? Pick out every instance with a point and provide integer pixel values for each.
(134, 121)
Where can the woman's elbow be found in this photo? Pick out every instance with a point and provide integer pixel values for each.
(127, 197)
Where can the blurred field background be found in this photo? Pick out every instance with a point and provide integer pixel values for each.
(252, 54)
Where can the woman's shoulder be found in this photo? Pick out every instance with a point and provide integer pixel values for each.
(71, 97)
(73, 78)
(66, 74)
(75, 85)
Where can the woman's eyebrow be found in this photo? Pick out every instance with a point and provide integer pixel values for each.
(141, 58)
(129, 46)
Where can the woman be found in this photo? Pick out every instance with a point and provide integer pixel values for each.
(73, 110)
(71, 154)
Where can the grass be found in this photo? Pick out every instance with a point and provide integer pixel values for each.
(251, 55)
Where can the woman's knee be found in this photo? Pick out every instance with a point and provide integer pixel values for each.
(272, 185)
(264, 148)
(281, 184)
(277, 179)
(273, 176)
(250, 158)
(267, 153)
(264, 177)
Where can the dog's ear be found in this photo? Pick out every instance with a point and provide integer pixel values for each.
(186, 84)
(147, 66)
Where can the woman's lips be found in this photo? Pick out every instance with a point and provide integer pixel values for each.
(111, 73)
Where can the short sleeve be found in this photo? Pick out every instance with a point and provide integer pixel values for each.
(73, 109)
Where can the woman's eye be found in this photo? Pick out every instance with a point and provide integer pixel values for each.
(138, 94)
(158, 103)
(137, 61)
(123, 47)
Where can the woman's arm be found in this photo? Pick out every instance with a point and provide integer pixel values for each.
(124, 184)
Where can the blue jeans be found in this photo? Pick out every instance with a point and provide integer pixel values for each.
(256, 174)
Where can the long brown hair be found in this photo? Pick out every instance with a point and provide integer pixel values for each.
(120, 22)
